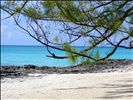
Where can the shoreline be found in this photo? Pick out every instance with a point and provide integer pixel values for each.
(118, 65)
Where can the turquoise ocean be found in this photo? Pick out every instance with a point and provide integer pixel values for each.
(36, 55)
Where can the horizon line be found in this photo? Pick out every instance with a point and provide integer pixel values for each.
(44, 45)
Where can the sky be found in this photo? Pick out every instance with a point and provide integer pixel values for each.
(11, 36)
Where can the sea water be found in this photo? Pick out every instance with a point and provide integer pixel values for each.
(36, 55)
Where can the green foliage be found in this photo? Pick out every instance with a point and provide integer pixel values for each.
(48, 4)
(60, 9)
(56, 39)
(83, 32)
(10, 3)
(32, 13)
(68, 49)
(130, 32)
(86, 62)
(97, 55)
(17, 10)
(131, 19)
(72, 58)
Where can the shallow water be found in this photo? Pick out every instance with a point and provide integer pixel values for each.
(36, 55)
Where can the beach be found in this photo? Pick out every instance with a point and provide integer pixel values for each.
(79, 82)
(114, 85)
(66, 50)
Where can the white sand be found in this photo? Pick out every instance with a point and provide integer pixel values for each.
(70, 86)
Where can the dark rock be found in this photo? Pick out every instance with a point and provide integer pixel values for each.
(30, 66)
(107, 66)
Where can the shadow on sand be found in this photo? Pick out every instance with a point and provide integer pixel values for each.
(117, 91)
(114, 91)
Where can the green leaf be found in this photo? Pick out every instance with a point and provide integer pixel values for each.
(10, 3)
(17, 10)
(72, 58)
(32, 13)
(56, 39)
(66, 47)
(130, 32)
(131, 19)
(97, 55)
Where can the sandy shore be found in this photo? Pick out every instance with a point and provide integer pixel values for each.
(114, 85)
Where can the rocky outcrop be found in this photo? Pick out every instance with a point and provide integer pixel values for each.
(102, 67)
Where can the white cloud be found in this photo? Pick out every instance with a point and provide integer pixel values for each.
(3, 28)
(9, 34)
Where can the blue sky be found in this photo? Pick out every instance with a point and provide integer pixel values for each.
(11, 36)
